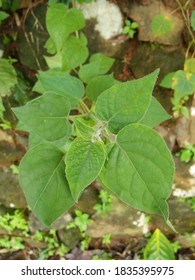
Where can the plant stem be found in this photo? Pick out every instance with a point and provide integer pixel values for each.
(84, 107)
(187, 25)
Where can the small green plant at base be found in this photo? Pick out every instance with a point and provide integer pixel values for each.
(106, 239)
(81, 221)
(104, 207)
(158, 247)
(14, 169)
(85, 242)
(110, 138)
(53, 247)
(187, 153)
(130, 28)
(102, 255)
(176, 246)
(17, 232)
(16, 227)
(189, 200)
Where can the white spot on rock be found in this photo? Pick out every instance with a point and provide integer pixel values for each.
(192, 170)
(192, 111)
(141, 222)
(108, 15)
(184, 193)
(11, 205)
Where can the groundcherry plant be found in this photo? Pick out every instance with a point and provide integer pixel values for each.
(88, 126)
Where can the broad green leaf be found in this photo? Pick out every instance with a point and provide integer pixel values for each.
(155, 114)
(43, 181)
(64, 84)
(183, 83)
(54, 61)
(161, 25)
(46, 116)
(50, 46)
(99, 65)
(99, 84)
(158, 248)
(105, 62)
(74, 53)
(83, 127)
(167, 80)
(125, 103)
(38, 87)
(61, 21)
(8, 77)
(189, 65)
(84, 162)
(192, 20)
(3, 16)
(35, 140)
(139, 169)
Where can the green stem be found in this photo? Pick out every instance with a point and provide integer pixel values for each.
(187, 25)
(84, 107)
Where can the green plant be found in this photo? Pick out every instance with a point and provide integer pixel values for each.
(104, 207)
(81, 221)
(182, 82)
(189, 200)
(14, 169)
(130, 28)
(176, 246)
(53, 247)
(3, 16)
(158, 247)
(106, 239)
(7, 6)
(8, 79)
(16, 229)
(102, 255)
(72, 144)
(17, 232)
(187, 153)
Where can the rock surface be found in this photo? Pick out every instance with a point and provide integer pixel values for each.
(144, 14)
(11, 193)
(148, 57)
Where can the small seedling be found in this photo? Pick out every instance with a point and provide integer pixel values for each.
(16, 227)
(106, 239)
(81, 221)
(53, 247)
(17, 231)
(130, 28)
(188, 153)
(158, 247)
(104, 207)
